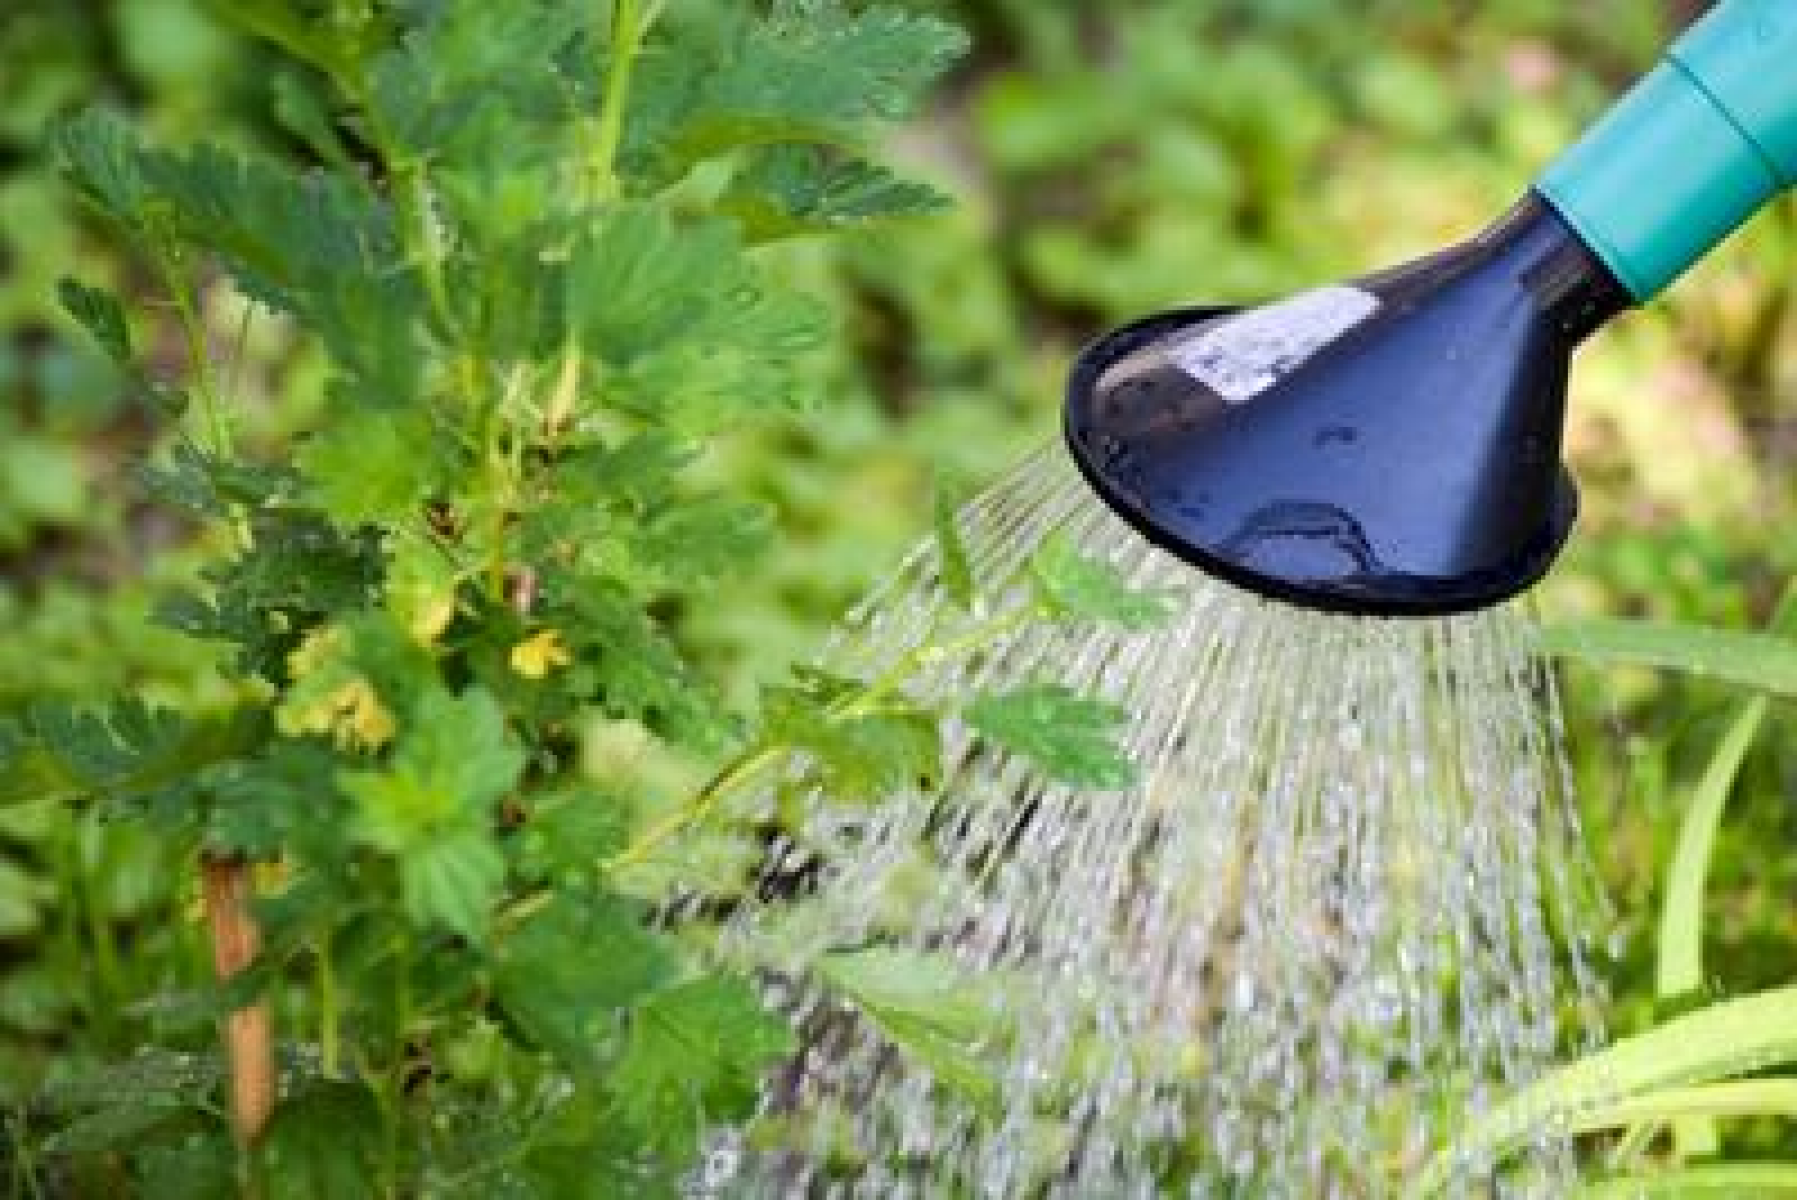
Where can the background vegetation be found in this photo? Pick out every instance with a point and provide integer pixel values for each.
(1104, 159)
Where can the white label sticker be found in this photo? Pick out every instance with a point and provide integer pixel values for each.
(1245, 355)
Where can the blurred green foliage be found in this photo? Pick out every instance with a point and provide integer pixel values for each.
(1106, 159)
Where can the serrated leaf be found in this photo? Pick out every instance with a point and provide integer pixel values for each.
(371, 467)
(696, 542)
(688, 332)
(318, 246)
(636, 671)
(692, 1057)
(454, 762)
(1068, 736)
(298, 569)
(787, 191)
(567, 970)
(123, 752)
(1076, 586)
(451, 878)
(571, 831)
(323, 1141)
(858, 755)
(205, 484)
(101, 157)
(432, 808)
(931, 1008)
(280, 800)
(200, 1165)
(303, 113)
(101, 314)
(808, 71)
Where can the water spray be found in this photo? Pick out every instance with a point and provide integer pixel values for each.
(1332, 920)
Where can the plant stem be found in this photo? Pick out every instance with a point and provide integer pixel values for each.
(394, 1088)
(193, 335)
(328, 1034)
(756, 759)
(627, 28)
(249, 1045)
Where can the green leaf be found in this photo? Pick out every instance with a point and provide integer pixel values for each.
(457, 758)
(371, 467)
(1681, 917)
(1076, 586)
(809, 71)
(303, 113)
(127, 751)
(100, 154)
(319, 246)
(859, 752)
(198, 1165)
(692, 1057)
(1752, 1033)
(564, 973)
(571, 830)
(930, 1007)
(451, 879)
(688, 332)
(324, 1141)
(695, 542)
(101, 314)
(636, 671)
(951, 550)
(1070, 737)
(1680, 943)
(788, 191)
(1724, 1181)
(113, 1106)
(1734, 1098)
(22, 897)
(1756, 660)
(432, 808)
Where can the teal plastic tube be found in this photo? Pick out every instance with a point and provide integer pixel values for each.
(1696, 148)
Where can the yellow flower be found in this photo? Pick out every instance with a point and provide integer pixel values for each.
(540, 654)
(362, 720)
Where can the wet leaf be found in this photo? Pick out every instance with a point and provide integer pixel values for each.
(324, 1141)
(1070, 737)
(692, 1056)
(559, 995)
(930, 1008)
(1731, 1038)
(1077, 586)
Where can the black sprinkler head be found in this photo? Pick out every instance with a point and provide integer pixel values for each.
(1389, 446)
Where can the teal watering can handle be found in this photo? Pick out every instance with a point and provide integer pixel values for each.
(1692, 151)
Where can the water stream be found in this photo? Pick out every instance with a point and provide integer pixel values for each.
(1327, 924)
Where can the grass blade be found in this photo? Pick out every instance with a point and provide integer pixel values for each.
(1725, 1039)
(1725, 1182)
(1680, 966)
(1750, 659)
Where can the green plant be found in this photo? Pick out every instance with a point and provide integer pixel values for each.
(460, 725)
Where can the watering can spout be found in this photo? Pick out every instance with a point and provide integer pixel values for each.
(1390, 446)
